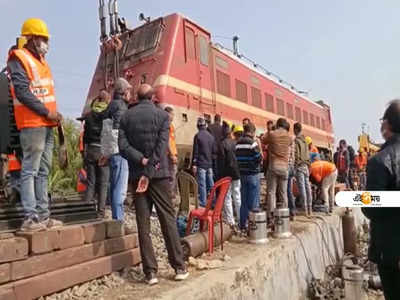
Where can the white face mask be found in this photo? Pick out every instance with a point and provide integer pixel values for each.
(42, 47)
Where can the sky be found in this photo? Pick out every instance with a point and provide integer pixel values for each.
(343, 52)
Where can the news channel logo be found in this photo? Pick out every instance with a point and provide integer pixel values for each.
(368, 199)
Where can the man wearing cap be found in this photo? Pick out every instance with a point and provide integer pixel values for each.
(36, 115)
(204, 153)
(119, 171)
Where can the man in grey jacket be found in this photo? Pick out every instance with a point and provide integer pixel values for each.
(301, 163)
(119, 172)
(143, 141)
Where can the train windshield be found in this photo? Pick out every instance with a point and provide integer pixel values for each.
(144, 39)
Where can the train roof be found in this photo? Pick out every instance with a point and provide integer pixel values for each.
(249, 65)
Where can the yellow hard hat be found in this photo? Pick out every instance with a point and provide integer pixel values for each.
(35, 27)
(229, 123)
(238, 128)
(308, 140)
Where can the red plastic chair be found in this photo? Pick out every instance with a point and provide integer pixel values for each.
(211, 216)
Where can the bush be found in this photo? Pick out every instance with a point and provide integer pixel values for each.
(63, 181)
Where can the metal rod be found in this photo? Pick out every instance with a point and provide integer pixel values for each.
(103, 18)
(111, 13)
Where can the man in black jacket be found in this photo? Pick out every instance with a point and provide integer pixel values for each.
(97, 174)
(230, 168)
(143, 141)
(216, 131)
(383, 174)
(204, 154)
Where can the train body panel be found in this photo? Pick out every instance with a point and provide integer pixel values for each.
(199, 78)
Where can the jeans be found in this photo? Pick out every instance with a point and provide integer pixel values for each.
(157, 196)
(303, 184)
(291, 200)
(250, 196)
(205, 181)
(363, 180)
(277, 180)
(328, 189)
(233, 194)
(37, 148)
(98, 178)
(119, 175)
(343, 177)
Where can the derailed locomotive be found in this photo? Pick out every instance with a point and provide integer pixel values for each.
(200, 78)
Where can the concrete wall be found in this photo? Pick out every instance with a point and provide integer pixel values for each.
(277, 270)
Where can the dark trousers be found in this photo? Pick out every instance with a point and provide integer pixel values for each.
(390, 278)
(97, 179)
(157, 194)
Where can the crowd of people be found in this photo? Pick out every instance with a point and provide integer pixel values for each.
(292, 165)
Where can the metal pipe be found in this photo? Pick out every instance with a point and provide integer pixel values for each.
(196, 244)
(102, 17)
(115, 12)
(111, 14)
(235, 45)
(349, 233)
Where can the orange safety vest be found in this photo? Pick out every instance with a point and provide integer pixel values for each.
(172, 142)
(314, 149)
(41, 85)
(81, 181)
(13, 163)
(360, 161)
(320, 169)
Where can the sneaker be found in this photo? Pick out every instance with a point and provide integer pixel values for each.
(31, 225)
(181, 275)
(151, 279)
(52, 223)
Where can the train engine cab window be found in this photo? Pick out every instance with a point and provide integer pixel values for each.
(203, 45)
(190, 44)
(280, 107)
(144, 39)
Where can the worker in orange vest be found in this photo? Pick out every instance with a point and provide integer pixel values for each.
(324, 174)
(172, 153)
(36, 114)
(14, 171)
(311, 146)
(360, 162)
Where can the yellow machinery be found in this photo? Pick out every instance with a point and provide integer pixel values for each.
(367, 145)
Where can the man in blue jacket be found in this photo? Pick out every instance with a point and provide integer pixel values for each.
(204, 153)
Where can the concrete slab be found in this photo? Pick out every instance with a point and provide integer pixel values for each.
(281, 269)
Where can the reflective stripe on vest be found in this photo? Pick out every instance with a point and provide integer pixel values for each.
(13, 163)
(41, 85)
